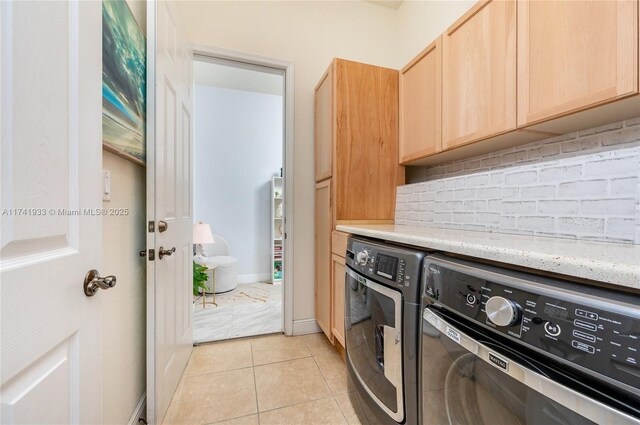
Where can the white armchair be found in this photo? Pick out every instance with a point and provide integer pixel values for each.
(226, 266)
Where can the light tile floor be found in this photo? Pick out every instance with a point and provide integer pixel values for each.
(263, 381)
(250, 309)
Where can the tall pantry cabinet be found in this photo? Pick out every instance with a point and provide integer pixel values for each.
(356, 169)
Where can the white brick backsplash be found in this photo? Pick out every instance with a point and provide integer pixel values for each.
(555, 174)
(580, 225)
(477, 180)
(489, 193)
(540, 223)
(543, 151)
(444, 195)
(475, 205)
(488, 218)
(583, 185)
(441, 216)
(507, 221)
(623, 186)
(464, 194)
(452, 206)
(517, 207)
(493, 204)
(581, 189)
(537, 192)
(582, 144)
(514, 157)
(558, 207)
(601, 129)
(523, 177)
(462, 217)
(622, 227)
(609, 207)
(628, 135)
(612, 167)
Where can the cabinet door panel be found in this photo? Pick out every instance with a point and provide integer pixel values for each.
(421, 104)
(337, 278)
(479, 74)
(366, 148)
(324, 126)
(324, 224)
(574, 54)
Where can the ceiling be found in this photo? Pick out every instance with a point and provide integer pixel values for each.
(238, 78)
(391, 4)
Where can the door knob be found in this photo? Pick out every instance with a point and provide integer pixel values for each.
(93, 282)
(162, 226)
(165, 252)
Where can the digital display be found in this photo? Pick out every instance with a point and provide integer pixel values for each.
(555, 312)
(386, 266)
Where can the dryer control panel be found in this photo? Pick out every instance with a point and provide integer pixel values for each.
(594, 328)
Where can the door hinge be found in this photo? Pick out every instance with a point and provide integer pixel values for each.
(152, 226)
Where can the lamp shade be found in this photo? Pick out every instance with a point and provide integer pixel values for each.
(202, 233)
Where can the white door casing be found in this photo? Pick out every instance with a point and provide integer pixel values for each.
(51, 160)
(169, 194)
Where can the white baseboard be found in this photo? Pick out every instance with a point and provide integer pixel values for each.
(140, 411)
(252, 278)
(306, 326)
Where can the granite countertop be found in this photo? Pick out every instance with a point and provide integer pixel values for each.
(617, 264)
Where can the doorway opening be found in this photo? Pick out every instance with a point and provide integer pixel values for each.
(239, 192)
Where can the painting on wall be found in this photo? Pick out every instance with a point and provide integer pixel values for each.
(123, 82)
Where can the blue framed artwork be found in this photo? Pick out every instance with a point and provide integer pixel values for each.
(123, 82)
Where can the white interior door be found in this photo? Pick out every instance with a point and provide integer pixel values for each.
(51, 160)
(169, 191)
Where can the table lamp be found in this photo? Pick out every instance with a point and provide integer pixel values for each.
(201, 234)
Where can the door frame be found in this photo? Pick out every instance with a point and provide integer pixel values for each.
(224, 55)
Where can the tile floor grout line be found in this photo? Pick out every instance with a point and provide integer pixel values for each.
(255, 383)
(255, 390)
(340, 409)
(230, 419)
(220, 371)
(297, 404)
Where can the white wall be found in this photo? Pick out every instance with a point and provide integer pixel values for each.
(124, 306)
(237, 149)
(309, 33)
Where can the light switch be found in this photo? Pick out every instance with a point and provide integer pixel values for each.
(106, 185)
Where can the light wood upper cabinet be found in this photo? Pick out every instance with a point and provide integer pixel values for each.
(366, 170)
(421, 104)
(324, 126)
(574, 55)
(479, 74)
(323, 265)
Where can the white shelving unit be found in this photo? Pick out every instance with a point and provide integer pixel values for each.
(277, 229)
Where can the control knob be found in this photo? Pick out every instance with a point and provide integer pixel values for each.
(502, 312)
(362, 258)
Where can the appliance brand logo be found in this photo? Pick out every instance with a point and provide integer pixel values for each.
(453, 334)
(499, 361)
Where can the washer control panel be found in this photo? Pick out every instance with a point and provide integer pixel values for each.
(389, 264)
(597, 329)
